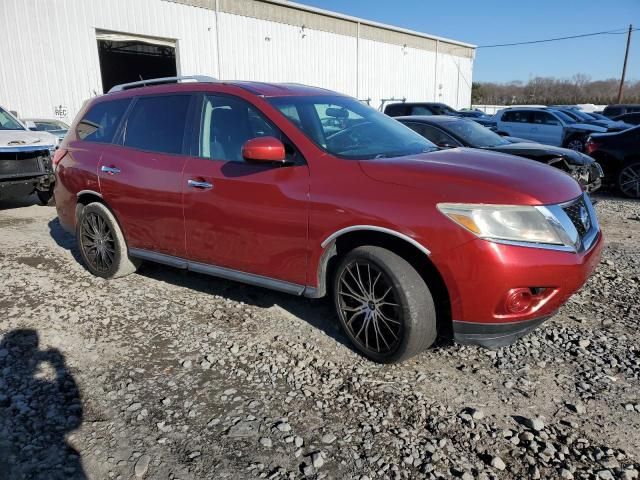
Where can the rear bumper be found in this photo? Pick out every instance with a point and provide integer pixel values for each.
(493, 335)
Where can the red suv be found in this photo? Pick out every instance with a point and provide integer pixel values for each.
(310, 192)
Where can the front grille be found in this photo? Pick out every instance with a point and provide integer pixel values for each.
(577, 211)
(23, 164)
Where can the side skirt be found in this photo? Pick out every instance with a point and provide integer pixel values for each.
(222, 272)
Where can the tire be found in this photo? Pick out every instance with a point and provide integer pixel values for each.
(575, 143)
(628, 181)
(110, 258)
(45, 197)
(401, 305)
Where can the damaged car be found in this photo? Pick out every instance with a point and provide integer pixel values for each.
(25, 160)
(453, 132)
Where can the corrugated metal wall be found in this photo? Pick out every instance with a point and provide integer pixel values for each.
(49, 55)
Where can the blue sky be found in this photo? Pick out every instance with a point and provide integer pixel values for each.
(484, 22)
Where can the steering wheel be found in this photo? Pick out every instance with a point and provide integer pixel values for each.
(349, 137)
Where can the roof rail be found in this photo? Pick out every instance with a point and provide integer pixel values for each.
(160, 81)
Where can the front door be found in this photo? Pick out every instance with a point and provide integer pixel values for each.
(141, 180)
(244, 216)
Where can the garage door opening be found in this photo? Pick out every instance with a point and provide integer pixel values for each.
(128, 58)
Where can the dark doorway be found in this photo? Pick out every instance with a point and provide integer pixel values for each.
(129, 61)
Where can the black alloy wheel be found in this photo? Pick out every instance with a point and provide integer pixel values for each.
(629, 180)
(383, 304)
(369, 307)
(97, 242)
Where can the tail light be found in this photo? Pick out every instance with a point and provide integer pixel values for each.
(58, 156)
(592, 146)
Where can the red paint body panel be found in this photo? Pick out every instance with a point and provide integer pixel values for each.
(146, 197)
(254, 219)
(272, 220)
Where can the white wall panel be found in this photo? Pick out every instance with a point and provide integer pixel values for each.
(49, 54)
(56, 61)
(267, 51)
(394, 71)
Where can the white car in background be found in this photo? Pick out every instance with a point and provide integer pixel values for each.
(545, 125)
(25, 160)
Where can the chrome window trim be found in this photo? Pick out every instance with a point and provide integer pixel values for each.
(375, 228)
(222, 272)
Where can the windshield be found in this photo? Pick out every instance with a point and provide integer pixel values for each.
(582, 115)
(474, 134)
(563, 116)
(50, 126)
(7, 122)
(348, 129)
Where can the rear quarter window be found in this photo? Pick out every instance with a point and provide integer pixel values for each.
(101, 121)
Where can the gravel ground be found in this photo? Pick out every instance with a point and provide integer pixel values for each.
(173, 375)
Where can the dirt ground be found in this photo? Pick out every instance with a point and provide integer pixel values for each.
(168, 374)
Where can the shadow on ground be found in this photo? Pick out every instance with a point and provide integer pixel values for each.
(39, 404)
(318, 313)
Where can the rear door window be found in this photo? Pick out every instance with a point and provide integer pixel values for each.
(157, 124)
(433, 134)
(517, 116)
(544, 118)
(395, 110)
(420, 110)
(101, 121)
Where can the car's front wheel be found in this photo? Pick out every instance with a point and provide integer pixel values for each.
(576, 143)
(629, 180)
(383, 304)
(102, 244)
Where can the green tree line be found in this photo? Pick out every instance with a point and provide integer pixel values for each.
(554, 91)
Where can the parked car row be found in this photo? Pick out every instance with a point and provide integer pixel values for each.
(540, 133)
(313, 193)
(452, 132)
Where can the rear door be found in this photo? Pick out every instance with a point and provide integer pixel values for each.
(141, 178)
(516, 123)
(248, 217)
(546, 128)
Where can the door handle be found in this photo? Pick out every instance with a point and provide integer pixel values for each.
(198, 184)
(110, 170)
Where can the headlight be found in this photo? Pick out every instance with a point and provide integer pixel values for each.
(506, 223)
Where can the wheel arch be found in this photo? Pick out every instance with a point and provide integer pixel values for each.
(84, 198)
(345, 240)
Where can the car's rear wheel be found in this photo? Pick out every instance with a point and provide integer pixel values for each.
(102, 244)
(629, 180)
(576, 143)
(383, 304)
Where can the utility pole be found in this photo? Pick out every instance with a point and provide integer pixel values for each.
(624, 66)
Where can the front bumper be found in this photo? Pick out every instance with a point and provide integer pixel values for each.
(25, 186)
(493, 335)
(479, 273)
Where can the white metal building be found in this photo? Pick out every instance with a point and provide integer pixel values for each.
(54, 54)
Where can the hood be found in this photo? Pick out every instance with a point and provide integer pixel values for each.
(538, 150)
(22, 139)
(476, 176)
(587, 127)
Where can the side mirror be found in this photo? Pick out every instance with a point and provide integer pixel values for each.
(263, 149)
(30, 125)
(445, 145)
